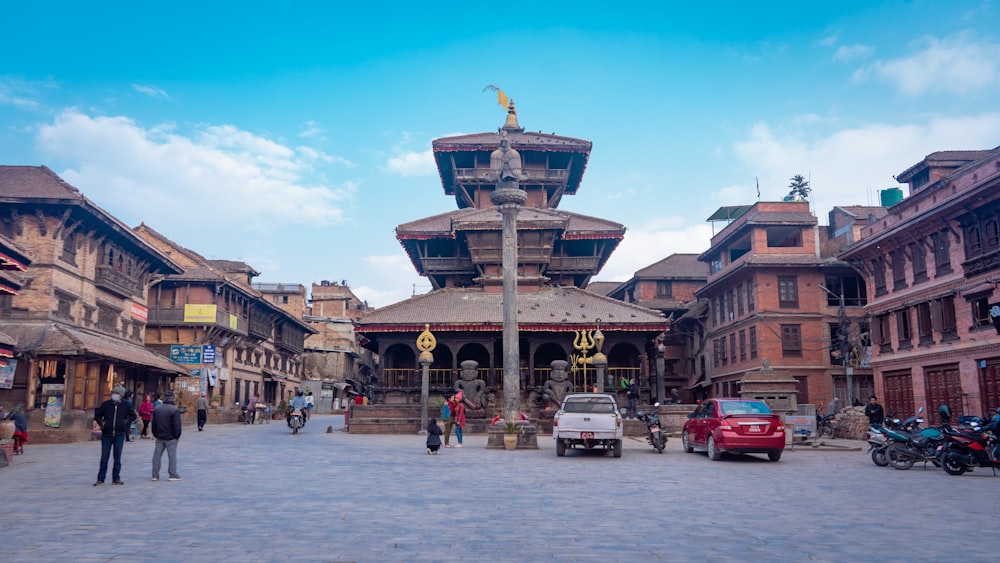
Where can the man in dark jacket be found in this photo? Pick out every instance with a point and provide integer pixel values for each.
(115, 420)
(633, 397)
(874, 412)
(167, 431)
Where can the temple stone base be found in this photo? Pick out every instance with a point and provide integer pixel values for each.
(527, 439)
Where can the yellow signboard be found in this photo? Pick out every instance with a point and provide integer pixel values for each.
(199, 313)
(233, 322)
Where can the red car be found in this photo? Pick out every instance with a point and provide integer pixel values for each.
(743, 426)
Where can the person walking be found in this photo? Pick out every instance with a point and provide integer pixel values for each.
(202, 405)
(433, 437)
(633, 397)
(146, 414)
(459, 417)
(251, 415)
(167, 431)
(310, 403)
(874, 412)
(20, 436)
(114, 419)
(129, 404)
(447, 415)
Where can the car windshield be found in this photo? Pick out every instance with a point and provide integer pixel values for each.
(744, 407)
(589, 404)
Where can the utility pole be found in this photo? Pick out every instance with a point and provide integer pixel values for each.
(843, 335)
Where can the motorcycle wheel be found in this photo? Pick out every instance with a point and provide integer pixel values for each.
(655, 442)
(899, 460)
(295, 430)
(879, 457)
(952, 466)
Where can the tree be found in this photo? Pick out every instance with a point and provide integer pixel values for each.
(800, 187)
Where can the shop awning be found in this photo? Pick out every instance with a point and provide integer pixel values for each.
(59, 340)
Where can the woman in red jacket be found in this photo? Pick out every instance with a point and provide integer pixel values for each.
(146, 413)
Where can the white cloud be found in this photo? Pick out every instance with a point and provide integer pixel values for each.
(151, 91)
(654, 241)
(413, 163)
(221, 178)
(848, 166)
(310, 130)
(956, 64)
(851, 52)
(405, 281)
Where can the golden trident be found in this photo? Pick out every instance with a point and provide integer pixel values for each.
(585, 341)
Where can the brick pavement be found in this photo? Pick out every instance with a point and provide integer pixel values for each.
(257, 493)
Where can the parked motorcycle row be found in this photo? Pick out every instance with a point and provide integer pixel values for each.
(902, 444)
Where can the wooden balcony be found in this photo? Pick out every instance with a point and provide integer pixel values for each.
(574, 264)
(113, 281)
(447, 264)
(175, 316)
(534, 175)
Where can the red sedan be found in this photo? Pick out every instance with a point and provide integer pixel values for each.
(743, 426)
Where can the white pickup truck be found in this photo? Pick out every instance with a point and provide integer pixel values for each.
(588, 420)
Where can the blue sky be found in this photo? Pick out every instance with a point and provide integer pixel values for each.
(295, 136)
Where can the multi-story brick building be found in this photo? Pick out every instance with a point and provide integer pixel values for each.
(932, 267)
(334, 352)
(258, 344)
(669, 286)
(79, 321)
(772, 294)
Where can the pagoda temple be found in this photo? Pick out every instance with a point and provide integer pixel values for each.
(459, 251)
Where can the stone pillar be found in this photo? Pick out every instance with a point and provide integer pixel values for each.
(509, 197)
(425, 343)
(660, 392)
(600, 363)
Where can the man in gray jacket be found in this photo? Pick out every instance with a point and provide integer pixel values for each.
(167, 431)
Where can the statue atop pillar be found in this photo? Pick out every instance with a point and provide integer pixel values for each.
(505, 162)
(473, 389)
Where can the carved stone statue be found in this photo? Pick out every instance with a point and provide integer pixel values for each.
(472, 388)
(558, 385)
(505, 162)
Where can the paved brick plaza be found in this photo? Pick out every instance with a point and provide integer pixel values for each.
(260, 494)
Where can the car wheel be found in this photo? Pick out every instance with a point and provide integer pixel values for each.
(618, 448)
(687, 444)
(560, 447)
(713, 453)
(774, 456)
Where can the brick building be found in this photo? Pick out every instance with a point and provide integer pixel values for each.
(335, 353)
(932, 266)
(773, 294)
(669, 286)
(258, 344)
(78, 321)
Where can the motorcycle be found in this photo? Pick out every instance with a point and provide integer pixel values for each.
(878, 441)
(911, 443)
(966, 449)
(247, 414)
(826, 424)
(654, 434)
(296, 421)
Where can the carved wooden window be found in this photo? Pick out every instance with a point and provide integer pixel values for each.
(64, 304)
(791, 341)
(68, 254)
(732, 348)
(918, 259)
(107, 319)
(743, 346)
(942, 252)
(903, 331)
(788, 292)
(752, 335)
(981, 312)
(664, 289)
(878, 275)
(739, 300)
(898, 270)
(750, 296)
(925, 331)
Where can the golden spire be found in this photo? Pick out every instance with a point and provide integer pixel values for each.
(511, 124)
